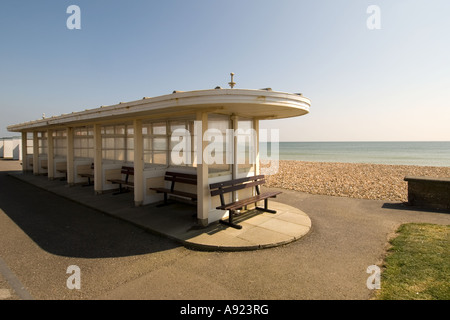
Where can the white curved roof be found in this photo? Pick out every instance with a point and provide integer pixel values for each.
(261, 104)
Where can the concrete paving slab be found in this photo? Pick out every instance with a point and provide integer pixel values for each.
(258, 220)
(284, 227)
(266, 238)
(220, 242)
(295, 217)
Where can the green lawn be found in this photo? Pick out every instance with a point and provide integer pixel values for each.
(417, 265)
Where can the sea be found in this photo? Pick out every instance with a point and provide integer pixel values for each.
(423, 153)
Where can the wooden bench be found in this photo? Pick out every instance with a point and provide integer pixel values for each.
(44, 166)
(89, 176)
(61, 167)
(222, 188)
(63, 171)
(176, 177)
(127, 171)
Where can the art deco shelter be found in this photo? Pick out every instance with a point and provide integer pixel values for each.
(98, 143)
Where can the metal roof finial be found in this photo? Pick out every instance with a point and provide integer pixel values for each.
(232, 83)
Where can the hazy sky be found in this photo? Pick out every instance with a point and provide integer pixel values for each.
(391, 83)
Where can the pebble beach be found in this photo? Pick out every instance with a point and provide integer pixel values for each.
(354, 180)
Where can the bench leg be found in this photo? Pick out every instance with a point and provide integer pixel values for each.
(64, 178)
(88, 184)
(121, 190)
(166, 201)
(230, 222)
(266, 207)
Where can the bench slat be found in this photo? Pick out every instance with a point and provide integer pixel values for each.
(176, 192)
(86, 175)
(127, 171)
(237, 187)
(118, 181)
(241, 203)
(183, 175)
(233, 182)
(181, 180)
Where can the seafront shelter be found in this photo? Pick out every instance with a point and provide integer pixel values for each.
(212, 134)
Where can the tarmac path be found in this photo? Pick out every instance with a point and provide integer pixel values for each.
(41, 235)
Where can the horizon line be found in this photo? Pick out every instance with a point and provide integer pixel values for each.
(370, 141)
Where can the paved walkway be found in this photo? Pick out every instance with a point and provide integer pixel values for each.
(177, 221)
(42, 233)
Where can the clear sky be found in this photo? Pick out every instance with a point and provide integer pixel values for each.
(388, 84)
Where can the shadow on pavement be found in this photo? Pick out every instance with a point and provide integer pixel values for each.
(63, 227)
(406, 206)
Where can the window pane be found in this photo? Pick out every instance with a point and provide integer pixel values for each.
(108, 143)
(108, 154)
(160, 158)
(108, 130)
(130, 155)
(84, 142)
(219, 157)
(220, 122)
(119, 143)
(174, 125)
(159, 128)
(160, 144)
(120, 129)
(130, 143)
(147, 143)
(119, 155)
(148, 158)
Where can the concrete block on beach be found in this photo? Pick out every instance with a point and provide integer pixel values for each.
(429, 192)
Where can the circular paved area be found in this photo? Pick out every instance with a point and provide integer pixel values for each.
(259, 230)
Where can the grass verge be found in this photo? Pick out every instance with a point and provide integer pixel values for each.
(417, 266)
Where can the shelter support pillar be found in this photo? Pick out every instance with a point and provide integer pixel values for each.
(24, 151)
(50, 155)
(35, 153)
(70, 155)
(202, 170)
(256, 146)
(138, 164)
(98, 156)
(235, 165)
